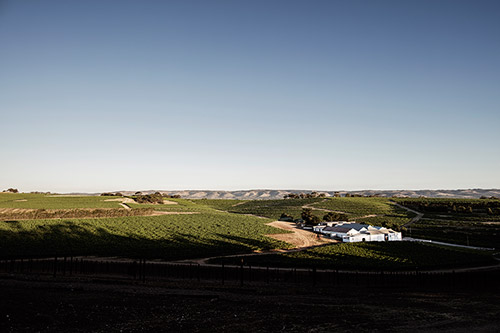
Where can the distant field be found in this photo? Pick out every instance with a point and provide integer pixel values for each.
(371, 256)
(455, 209)
(274, 208)
(42, 201)
(166, 237)
(190, 205)
(357, 207)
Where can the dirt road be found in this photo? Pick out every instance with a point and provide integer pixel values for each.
(413, 220)
(299, 238)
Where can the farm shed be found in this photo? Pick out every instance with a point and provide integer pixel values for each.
(350, 232)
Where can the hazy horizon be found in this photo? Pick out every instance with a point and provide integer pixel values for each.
(255, 189)
(249, 94)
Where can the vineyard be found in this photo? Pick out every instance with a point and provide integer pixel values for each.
(388, 214)
(30, 214)
(45, 225)
(165, 237)
(357, 207)
(371, 256)
(485, 234)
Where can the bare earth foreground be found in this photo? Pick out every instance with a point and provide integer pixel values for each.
(58, 305)
(299, 238)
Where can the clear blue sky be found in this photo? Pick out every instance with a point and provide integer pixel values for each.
(109, 95)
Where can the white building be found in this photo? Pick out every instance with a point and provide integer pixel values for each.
(350, 232)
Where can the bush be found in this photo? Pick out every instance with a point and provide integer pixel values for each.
(149, 199)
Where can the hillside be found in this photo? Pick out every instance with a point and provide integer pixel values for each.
(278, 194)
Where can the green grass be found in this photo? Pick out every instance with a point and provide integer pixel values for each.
(372, 256)
(43, 201)
(167, 237)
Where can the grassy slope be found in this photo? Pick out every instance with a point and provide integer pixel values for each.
(373, 256)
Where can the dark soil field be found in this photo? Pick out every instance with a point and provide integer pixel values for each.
(32, 304)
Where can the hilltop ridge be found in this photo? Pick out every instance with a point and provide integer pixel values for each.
(263, 194)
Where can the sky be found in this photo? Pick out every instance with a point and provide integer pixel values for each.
(260, 94)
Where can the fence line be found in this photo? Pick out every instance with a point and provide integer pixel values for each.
(142, 271)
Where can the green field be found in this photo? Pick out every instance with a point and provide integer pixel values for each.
(43, 201)
(167, 237)
(371, 256)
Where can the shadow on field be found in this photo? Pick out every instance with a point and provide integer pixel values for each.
(84, 239)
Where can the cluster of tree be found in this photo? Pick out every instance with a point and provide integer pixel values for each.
(149, 198)
(311, 219)
(176, 196)
(453, 206)
(304, 195)
(354, 195)
(11, 190)
(334, 216)
(111, 194)
(38, 192)
(490, 198)
(286, 217)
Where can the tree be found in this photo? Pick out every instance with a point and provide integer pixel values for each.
(309, 218)
(12, 190)
(286, 217)
(333, 216)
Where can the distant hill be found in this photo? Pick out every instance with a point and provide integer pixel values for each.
(278, 194)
